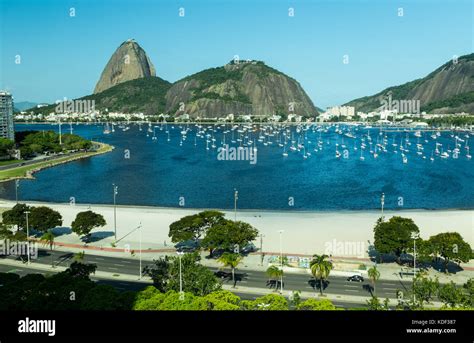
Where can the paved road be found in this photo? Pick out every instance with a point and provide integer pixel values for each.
(138, 286)
(257, 279)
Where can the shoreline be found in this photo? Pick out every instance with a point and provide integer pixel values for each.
(30, 170)
(303, 233)
(372, 124)
(243, 210)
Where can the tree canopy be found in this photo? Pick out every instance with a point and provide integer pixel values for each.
(194, 226)
(86, 221)
(229, 235)
(43, 218)
(394, 236)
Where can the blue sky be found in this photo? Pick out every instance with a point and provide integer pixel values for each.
(63, 56)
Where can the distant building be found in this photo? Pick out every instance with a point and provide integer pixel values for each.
(343, 111)
(6, 116)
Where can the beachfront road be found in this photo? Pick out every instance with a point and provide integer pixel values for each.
(244, 278)
(138, 286)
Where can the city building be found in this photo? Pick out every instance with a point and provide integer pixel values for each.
(343, 111)
(6, 116)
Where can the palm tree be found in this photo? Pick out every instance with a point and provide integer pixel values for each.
(320, 268)
(274, 273)
(79, 257)
(374, 275)
(48, 239)
(231, 260)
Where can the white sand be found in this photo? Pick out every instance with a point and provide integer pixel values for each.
(304, 232)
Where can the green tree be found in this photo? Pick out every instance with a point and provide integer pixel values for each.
(174, 301)
(101, 298)
(194, 226)
(469, 288)
(451, 247)
(451, 295)
(269, 302)
(274, 273)
(148, 299)
(159, 272)
(316, 305)
(43, 218)
(374, 275)
(196, 278)
(320, 268)
(81, 270)
(424, 290)
(394, 236)
(223, 301)
(5, 146)
(374, 304)
(229, 235)
(85, 222)
(16, 216)
(231, 260)
(48, 240)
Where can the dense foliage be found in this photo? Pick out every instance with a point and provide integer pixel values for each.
(35, 142)
(41, 218)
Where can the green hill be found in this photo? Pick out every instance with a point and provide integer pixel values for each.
(448, 89)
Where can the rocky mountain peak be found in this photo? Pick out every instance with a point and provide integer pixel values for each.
(128, 62)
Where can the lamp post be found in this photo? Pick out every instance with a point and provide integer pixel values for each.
(281, 263)
(115, 210)
(180, 253)
(236, 197)
(261, 248)
(27, 236)
(382, 202)
(140, 228)
(414, 266)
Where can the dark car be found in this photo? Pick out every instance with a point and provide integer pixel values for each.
(249, 248)
(221, 274)
(187, 246)
(355, 278)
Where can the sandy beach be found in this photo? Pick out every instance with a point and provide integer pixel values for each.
(344, 233)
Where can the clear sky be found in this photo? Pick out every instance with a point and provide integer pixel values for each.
(63, 56)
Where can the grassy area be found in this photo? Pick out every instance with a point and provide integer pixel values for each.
(20, 172)
(7, 162)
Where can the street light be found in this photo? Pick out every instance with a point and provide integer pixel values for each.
(236, 197)
(180, 253)
(27, 236)
(261, 248)
(414, 265)
(140, 228)
(281, 263)
(115, 210)
(382, 202)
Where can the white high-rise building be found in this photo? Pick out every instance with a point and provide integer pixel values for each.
(6, 116)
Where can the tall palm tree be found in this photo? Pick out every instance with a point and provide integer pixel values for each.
(320, 268)
(274, 273)
(374, 275)
(48, 240)
(231, 260)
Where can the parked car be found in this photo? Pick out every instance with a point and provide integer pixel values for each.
(249, 248)
(187, 246)
(355, 278)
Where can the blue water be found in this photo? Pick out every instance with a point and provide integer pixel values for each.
(160, 172)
